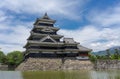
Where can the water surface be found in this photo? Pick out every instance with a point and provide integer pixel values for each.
(10, 75)
(113, 74)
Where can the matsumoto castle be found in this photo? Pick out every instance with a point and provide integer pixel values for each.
(44, 42)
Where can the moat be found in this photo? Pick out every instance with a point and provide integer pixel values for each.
(111, 74)
(73, 75)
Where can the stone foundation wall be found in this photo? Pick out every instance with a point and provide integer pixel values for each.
(77, 65)
(3, 67)
(107, 64)
(34, 64)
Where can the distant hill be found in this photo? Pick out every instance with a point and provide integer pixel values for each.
(112, 51)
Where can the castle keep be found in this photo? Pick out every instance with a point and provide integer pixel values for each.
(44, 42)
(45, 50)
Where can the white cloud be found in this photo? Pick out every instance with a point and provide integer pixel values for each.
(94, 38)
(106, 18)
(66, 8)
(82, 35)
(2, 16)
(13, 38)
(11, 47)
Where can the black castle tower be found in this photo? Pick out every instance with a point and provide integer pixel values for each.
(44, 42)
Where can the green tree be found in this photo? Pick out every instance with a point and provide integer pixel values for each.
(116, 54)
(2, 58)
(108, 53)
(112, 57)
(14, 58)
(92, 58)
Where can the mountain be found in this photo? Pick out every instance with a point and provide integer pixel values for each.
(111, 50)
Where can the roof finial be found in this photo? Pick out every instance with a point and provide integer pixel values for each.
(45, 16)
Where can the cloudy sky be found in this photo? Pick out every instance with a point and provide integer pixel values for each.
(93, 23)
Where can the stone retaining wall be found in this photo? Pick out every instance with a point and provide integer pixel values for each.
(70, 64)
(107, 64)
(3, 67)
(34, 64)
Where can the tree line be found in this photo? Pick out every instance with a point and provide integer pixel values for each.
(12, 59)
(115, 56)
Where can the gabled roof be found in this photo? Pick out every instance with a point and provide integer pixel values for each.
(82, 48)
(47, 37)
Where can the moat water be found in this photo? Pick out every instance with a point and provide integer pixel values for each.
(111, 74)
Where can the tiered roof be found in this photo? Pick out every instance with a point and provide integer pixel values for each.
(45, 19)
(44, 34)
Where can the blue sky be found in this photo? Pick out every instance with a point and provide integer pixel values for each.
(93, 23)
